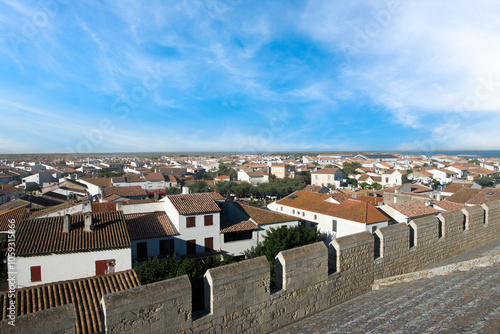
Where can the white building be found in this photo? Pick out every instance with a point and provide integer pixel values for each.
(331, 219)
(247, 225)
(324, 177)
(70, 247)
(196, 218)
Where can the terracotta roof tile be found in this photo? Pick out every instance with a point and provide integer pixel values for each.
(98, 181)
(414, 209)
(187, 204)
(456, 186)
(263, 216)
(447, 205)
(485, 195)
(463, 195)
(16, 214)
(45, 235)
(327, 171)
(85, 294)
(353, 210)
(243, 226)
(149, 225)
(133, 191)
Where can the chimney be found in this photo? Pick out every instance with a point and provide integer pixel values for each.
(185, 190)
(67, 224)
(88, 223)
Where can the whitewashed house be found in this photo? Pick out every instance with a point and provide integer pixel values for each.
(324, 177)
(331, 219)
(71, 247)
(196, 218)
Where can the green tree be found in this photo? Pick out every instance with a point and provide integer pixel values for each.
(352, 182)
(350, 167)
(328, 166)
(435, 184)
(199, 186)
(485, 181)
(376, 186)
(280, 239)
(363, 185)
(474, 161)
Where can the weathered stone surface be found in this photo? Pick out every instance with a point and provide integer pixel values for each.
(59, 320)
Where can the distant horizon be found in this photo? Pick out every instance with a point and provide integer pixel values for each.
(252, 153)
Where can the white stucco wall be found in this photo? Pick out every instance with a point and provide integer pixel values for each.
(153, 246)
(61, 267)
(325, 222)
(198, 233)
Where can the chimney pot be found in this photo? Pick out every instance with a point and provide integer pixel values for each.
(185, 190)
(67, 224)
(88, 223)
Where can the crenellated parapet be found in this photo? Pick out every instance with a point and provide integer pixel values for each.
(239, 298)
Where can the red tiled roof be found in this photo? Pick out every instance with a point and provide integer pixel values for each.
(85, 294)
(154, 177)
(370, 199)
(456, 186)
(243, 226)
(133, 191)
(463, 195)
(263, 216)
(447, 205)
(103, 207)
(46, 236)
(187, 204)
(16, 214)
(414, 209)
(149, 225)
(326, 171)
(353, 210)
(98, 181)
(485, 195)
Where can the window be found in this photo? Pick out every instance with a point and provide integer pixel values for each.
(190, 221)
(303, 214)
(209, 244)
(167, 247)
(100, 267)
(334, 225)
(244, 235)
(191, 246)
(315, 217)
(293, 212)
(209, 220)
(142, 250)
(281, 208)
(36, 274)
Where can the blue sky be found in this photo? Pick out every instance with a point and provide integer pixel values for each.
(246, 76)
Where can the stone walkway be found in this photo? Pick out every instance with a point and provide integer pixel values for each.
(462, 302)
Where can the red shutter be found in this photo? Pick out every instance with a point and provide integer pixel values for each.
(36, 274)
(190, 221)
(209, 244)
(209, 220)
(100, 267)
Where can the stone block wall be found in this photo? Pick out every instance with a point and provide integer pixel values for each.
(158, 307)
(58, 320)
(310, 278)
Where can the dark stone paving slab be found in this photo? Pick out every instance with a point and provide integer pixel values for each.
(463, 302)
